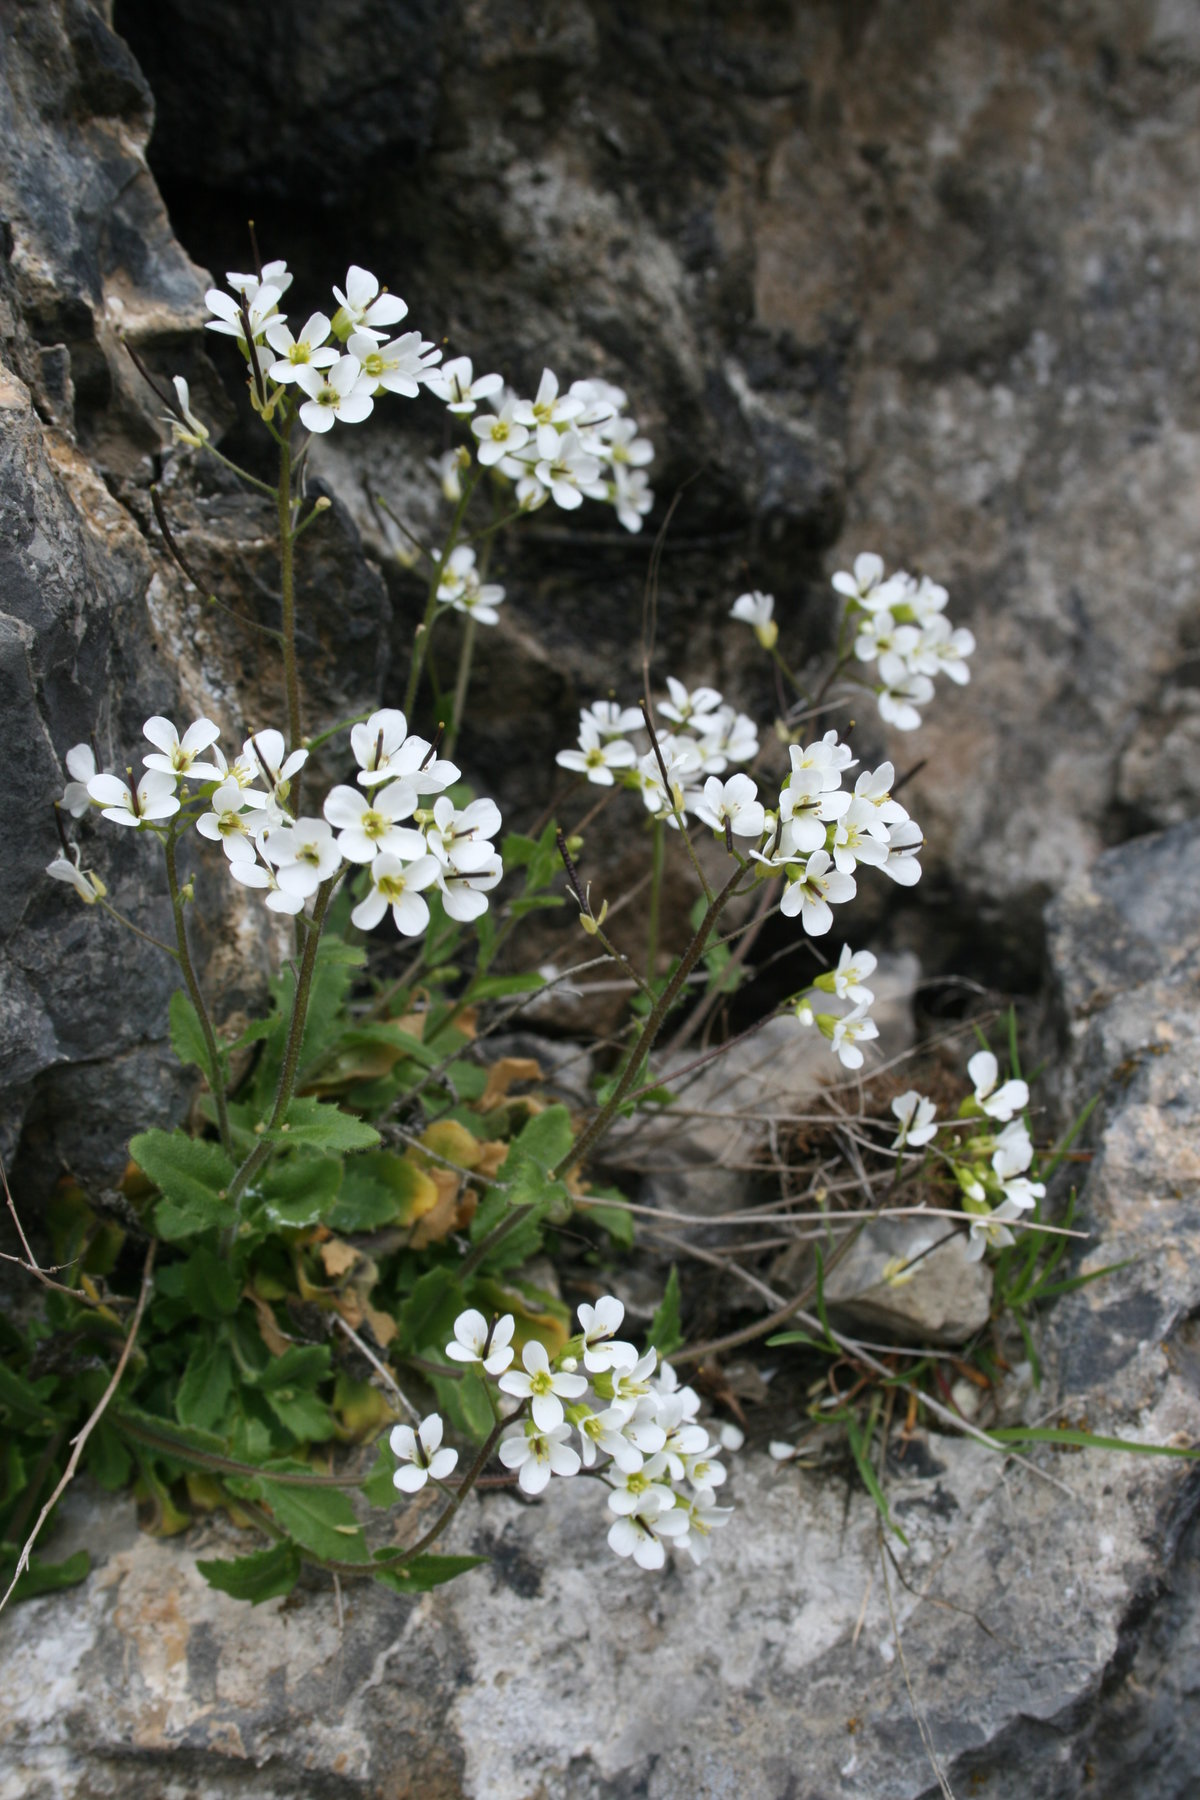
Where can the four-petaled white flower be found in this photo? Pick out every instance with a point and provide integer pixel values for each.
(814, 890)
(477, 1341)
(334, 393)
(732, 804)
(153, 799)
(596, 757)
(368, 824)
(537, 1455)
(457, 384)
(998, 1103)
(641, 1534)
(310, 350)
(363, 304)
(601, 1347)
(991, 1231)
(853, 968)
(499, 434)
(916, 1116)
(421, 1454)
(544, 1387)
(175, 755)
(397, 884)
(261, 308)
(847, 1031)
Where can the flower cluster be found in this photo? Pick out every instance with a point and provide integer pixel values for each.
(397, 823)
(625, 1420)
(900, 624)
(556, 446)
(815, 832)
(846, 982)
(990, 1166)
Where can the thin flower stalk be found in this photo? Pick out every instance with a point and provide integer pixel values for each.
(195, 995)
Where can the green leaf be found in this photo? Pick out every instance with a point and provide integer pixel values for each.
(616, 1220)
(464, 1403)
(207, 1283)
(859, 1440)
(263, 1575)
(324, 1127)
(1068, 1437)
(425, 1572)
(544, 1140)
(287, 1384)
(203, 1394)
(666, 1332)
(301, 1189)
(426, 1319)
(108, 1461)
(377, 1188)
(192, 1175)
(379, 1489)
(187, 1034)
(303, 1365)
(47, 1577)
(498, 987)
(320, 1519)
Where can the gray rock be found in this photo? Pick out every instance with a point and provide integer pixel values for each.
(942, 1299)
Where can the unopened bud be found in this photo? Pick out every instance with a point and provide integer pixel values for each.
(768, 634)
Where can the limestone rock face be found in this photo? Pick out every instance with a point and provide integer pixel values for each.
(1047, 1609)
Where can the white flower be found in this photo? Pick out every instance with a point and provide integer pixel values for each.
(992, 1232)
(253, 874)
(814, 891)
(904, 842)
(641, 1534)
(464, 891)
(448, 468)
(176, 756)
(548, 408)
(334, 393)
(1000, 1103)
(860, 836)
(851, 972)
(539, 1454)
(606, 1431)
(865, 581)
(266, 753)
(499, 434)
(398, 885)
(547, 1388)
(475, 1341)
(731, 737)
(459, 587)
(154, 797)
(757, 609)
(274, 274)
(368, 824)
(365, 306)
(228, 824)
(398, 367)
(461, 838)
(630, 1381)
(81, 766)
(632, 1488)
(600, 1323)
(610, 718)
(916, 1116)
(695, 710)
(455, 383)
(632, 495)
(89, 887)
(421, 1451)
(902, 693)
(704, 1516)
(846, 1032)
(925, 600)
(617, 441)
(310, 349)
(597, 759)
(682, 759)
(875, 787)
(260, 308)
(733, 803)
(564, 467)
(305, 854)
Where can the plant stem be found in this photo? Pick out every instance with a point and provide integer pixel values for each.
(287, 582)
(460, 686)
(196, 997)
(291, 1056)
(261, 487)
(421, 647)
(660, 851)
